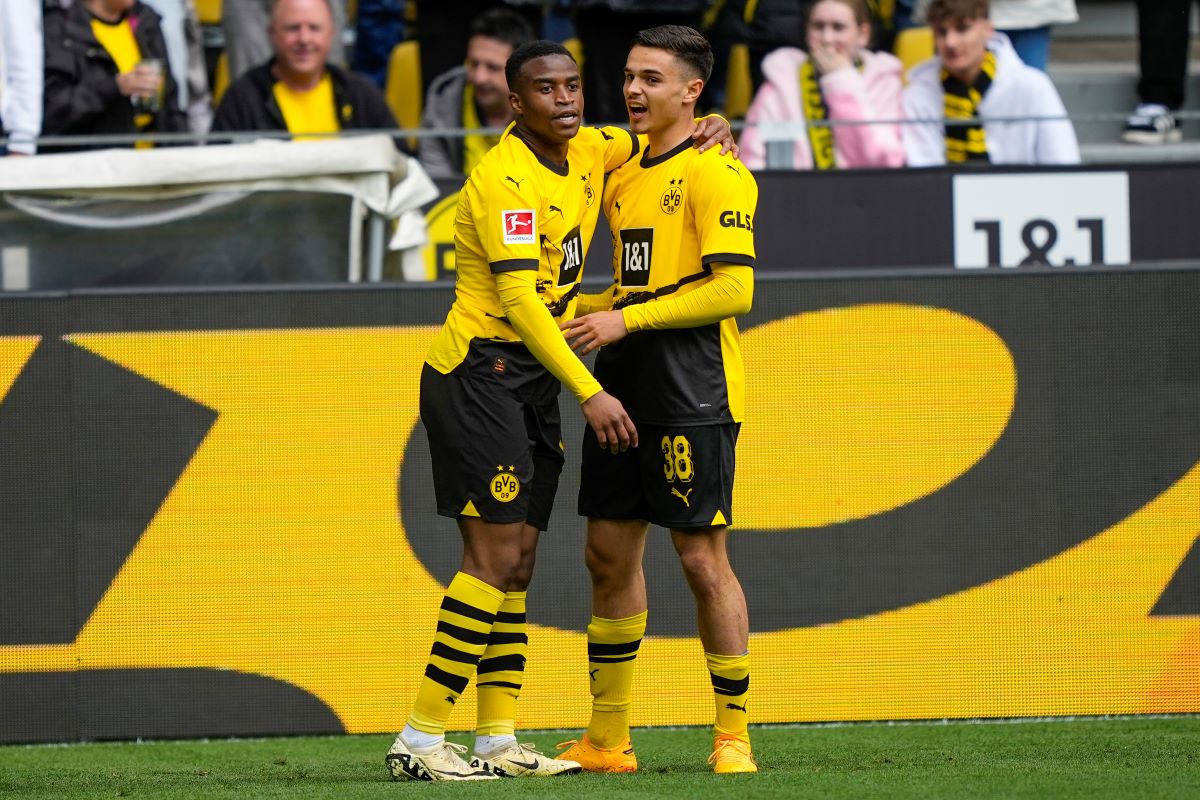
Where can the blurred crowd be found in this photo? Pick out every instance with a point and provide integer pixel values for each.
(820, 85)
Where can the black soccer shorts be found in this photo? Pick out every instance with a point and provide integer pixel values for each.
(491, 452)
(677, 477)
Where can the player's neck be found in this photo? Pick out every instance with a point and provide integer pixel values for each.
(668, 138)
(554, 151)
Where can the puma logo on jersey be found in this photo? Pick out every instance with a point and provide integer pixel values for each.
(682, 496)
(517, 183)
(556, 208)
(732, 167)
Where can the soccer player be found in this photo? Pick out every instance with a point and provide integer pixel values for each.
(489, 401)
(683, 240)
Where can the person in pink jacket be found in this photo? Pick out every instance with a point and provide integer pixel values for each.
(837, 79)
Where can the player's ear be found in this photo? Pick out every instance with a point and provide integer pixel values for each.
(514, 102)
(693, 89)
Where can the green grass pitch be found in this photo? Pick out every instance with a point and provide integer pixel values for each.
(1138, 757)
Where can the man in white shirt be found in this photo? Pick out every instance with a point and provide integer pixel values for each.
(1011, 113)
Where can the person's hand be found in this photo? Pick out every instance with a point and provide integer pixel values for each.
(712, 131)
(141, 81)
(827, 60)
(590, 331)
(614, 429)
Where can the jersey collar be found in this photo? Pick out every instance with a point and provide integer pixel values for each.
(648, 162)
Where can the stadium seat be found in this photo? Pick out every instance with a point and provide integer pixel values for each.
(739, 90)
(209, 12)
(576, 49)
(913, 45)
(402, 87)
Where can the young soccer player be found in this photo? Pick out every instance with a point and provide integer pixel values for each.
(489, 401)
(683, 240)
(976, 74)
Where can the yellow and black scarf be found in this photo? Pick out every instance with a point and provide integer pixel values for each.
(966, 142)
(475, 145)
(816, 111)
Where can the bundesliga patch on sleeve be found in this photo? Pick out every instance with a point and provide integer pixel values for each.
(518, 226)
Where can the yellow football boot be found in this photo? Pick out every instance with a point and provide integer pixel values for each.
(600, 759)
(730, 754)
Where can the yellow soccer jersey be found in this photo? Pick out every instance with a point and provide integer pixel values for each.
(518, 212)
(671, 217)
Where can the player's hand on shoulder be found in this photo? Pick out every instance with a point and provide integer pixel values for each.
(614, 429)
(594, 330)
(714, 130)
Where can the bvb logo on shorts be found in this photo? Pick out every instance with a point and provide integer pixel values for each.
(672, 198)
(505, 486)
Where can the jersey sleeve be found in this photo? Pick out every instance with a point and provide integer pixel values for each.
(619, 146)
(506, 219)
(724, 198)
(537, 329)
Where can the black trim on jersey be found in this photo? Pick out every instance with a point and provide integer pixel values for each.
(513, 264)
(562, 170)
(637, 146)
(682, 147)
(740, 259)
(635, 298)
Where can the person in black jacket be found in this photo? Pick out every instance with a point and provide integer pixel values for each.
(96, 78)
(298, 90)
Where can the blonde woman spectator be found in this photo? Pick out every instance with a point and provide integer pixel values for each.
(838, 79)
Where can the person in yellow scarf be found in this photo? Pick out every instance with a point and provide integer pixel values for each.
(472, 96)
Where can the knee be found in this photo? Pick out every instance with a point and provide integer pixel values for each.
(605, 566)
(522, 574)
(703, 571)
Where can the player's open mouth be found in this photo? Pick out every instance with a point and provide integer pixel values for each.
(568, 116)
(636, 110)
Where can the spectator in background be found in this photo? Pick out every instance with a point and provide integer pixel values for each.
(1164, 35)
(247, 43)
(105, 70)
(1027, 24)
(185, 55)
(976, 75)
(605, 29)
(443, 35)
(20, 75)
(298, 90)
(472, 96)
(838, 79)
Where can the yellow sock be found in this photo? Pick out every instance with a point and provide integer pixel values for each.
(466, 618)
(731, 686)
(502, 669)
(612, 648)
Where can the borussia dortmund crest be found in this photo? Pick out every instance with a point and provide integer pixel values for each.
(589, 194)
(505, 485)
(672, 199)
